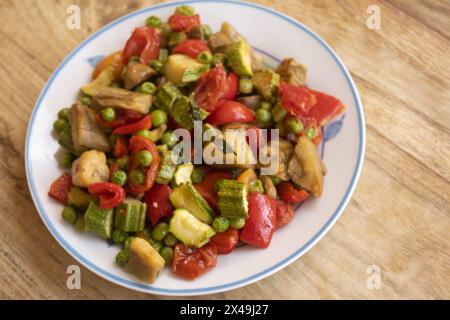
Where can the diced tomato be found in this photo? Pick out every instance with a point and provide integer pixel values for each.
(123, 117)
(207, 187)
(190, 264)
(225, 241)
(297, 100)
(158, 203)
(143, 124)
(326, 108)
(289, 194)
(181, 22)
(285, 213)
(120, 147)
(231, 111)
(109, 194)
(191, 47)
(138, 143)
(114, 60)
(213, 87)
(231, 87)
(60, 188)
(144, 43)
(261, 222)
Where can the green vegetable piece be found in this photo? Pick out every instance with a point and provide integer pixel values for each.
(263, 116)
(218, 58)
(109, 114)
(183, 173)
(159, 117)
(144, 158)
(266, 83)
(167, 254)
(163, 55)
(123, 162)
(204, 57)
(147, 88)
(311, 133)
(166, 96)
(188, 229)
(275, 180)
(238, 223)
(187, 197)
(278, 112)
(220, 224)
(104, 79)
(207, 32)
(119, 236)
(69, 214)
(294, 126)
(170, 139)
(181, 69)
(185, 10)
(99, 221)
(266, 105)
(64, 114)
(65, 160)
(130, 215)
(119, 177)
(167, 169)
(233, 201)
(256, 186)
(181, 112)
(170, 240)
(127, 243)
(176, 38)
(86, 100)
(239, 58)
(197, 175)
(157, 65)
(160, 231)
(166, 29)
(79, 223)
(153, 21)
(156, 244)
(137, 177)
(245, 86)
(122, 257)
(79, 198)
(59, 125)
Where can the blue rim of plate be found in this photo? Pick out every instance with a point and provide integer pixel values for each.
(234, 284)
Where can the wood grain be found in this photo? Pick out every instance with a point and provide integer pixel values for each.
(398, 218)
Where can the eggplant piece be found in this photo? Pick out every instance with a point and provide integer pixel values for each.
(136, 73)
(251, 101)
(90, 168)
(293, 72)
(86, 133)
(122, 99)
(269, 187)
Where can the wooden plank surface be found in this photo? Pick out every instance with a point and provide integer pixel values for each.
(399, 216)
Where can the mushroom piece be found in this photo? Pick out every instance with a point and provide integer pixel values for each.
(283, 155)
(291, 71)
(305, 168)
(86, 133)
(136, 73)
(90, 168)
(122, 99)
(251, 101)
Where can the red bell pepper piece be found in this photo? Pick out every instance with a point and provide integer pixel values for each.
(231, 88)
(115, 61)
(260, 224)
(138, 143)
(158, 203)
(231, 111)
(225, 241)
(326, 108)
(191, 47)
(144, 43)
(181, 22)
(297, 100)
(109, 194)
(120, 147)
(123, 117)
(143, 124)
(207, 187)
(289, 194)
(285, 213)
(190, 264)
(60, 188)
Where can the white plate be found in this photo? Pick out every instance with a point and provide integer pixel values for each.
(277, 36)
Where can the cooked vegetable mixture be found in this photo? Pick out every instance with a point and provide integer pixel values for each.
(117, 141)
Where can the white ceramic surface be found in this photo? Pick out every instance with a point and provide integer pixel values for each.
(276, 35)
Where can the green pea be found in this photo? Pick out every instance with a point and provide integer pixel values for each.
(245, 86)
(144, 158)
(170, 240)
(169, 139)
(185, 10)
(157, 65)
(197, 175)
(311, 133)
(109, 114)
(137, 177)
(110, 161)
(119, 177)
(147, 88)
(65, 160)
(122, 162)
(119, 236)
(156, 244)
(160, 231)
(275, 180)
(207, 32)
(153, 21)
(122, 257)
(144, 133)
(266, 105)
(220, 224)
(69, 214)
(218, 58)
(294, 126)
(79, 223)
(167, 254)
(278, 112)
(86, 100)
(237, 223)
(204, 57)
(256, 186)
(64, 114)
(59, 125)
(159, 117)
(127, 243)
(263, 116)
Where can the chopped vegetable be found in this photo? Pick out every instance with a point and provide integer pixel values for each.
(69, 214)
(144, 43)
(232, 199)
(183, 173)
(167, 169)
(118, 98)
(167, 94)
(266, 83)
(144, 124)
(158, 203)
(220, 224)
(181, 22)
(119, 236)
(292, 72)
(160, 231)
(103, 80)
(256, 186)
(109, 194)
(231, 111)
(192, 264)
(137, 73)
(130, 215)
(188, 229)
(153, 21)
(90, 168)
(167, 254)
(284, 214)
(197, 175)
(289, 194)
(238, 55)
(181, 69)
(98, 220)
(191, 48)
(78, 198)
(226, 241)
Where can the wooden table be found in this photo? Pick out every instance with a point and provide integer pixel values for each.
(398, 218)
